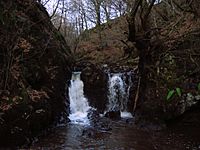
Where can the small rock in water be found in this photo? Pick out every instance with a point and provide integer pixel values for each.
(113, 115)
(88, 132)
(127, 121)
(98, 122)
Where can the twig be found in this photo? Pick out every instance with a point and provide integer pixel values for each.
(137, 95)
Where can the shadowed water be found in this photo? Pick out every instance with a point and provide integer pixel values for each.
(122, 136)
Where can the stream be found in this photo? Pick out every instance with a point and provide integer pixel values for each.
(90, 130)
(122, 136)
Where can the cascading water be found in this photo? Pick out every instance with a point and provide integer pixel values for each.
(118, 93)
(79, 106)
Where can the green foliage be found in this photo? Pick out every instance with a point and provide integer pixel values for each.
(170, 94)
(178, 91)
(198, 86)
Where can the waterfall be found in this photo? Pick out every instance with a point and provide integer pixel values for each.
(79, 106)
(119, 85)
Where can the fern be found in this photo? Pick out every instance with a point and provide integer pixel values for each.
(170, 94)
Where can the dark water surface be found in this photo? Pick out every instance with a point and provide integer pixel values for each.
(122, 136)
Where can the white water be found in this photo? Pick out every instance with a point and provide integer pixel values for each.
(79, 106)
(118, 93)
(125, 114)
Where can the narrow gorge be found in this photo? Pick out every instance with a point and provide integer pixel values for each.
(100, 74)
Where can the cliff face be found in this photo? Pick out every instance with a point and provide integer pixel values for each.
(35, 65)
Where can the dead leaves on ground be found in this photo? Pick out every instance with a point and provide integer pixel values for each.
(7, 101)
(24, 45)
(37, 95)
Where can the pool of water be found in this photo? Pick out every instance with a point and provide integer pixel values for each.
(122, 135)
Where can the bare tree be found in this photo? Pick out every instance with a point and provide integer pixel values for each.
(44, 2)
(95, 6)
(143, 9)
(119, 7)
(106, 5)
(55, 9)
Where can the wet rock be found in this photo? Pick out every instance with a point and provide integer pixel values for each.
(188, 100)
(95, 86)
(96, 79)
(129, 121)
(113, 114)
(88, 132)
(97, 122)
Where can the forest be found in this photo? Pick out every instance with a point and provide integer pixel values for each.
(100, 74)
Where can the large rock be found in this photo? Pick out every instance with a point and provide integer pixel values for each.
(113, 114)
(35, 65)
(96, 77)
(95, 86)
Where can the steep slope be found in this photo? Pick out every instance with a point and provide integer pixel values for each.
(35, 65)
(107, 44)
(170, 60)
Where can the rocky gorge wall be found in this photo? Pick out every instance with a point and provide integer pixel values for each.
(172, 73)
(35, 65)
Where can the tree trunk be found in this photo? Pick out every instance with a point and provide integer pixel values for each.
(131, 21)
(142, 43)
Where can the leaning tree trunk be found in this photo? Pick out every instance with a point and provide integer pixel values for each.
(142, 43)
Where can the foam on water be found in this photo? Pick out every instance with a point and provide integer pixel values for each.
(126, 114)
